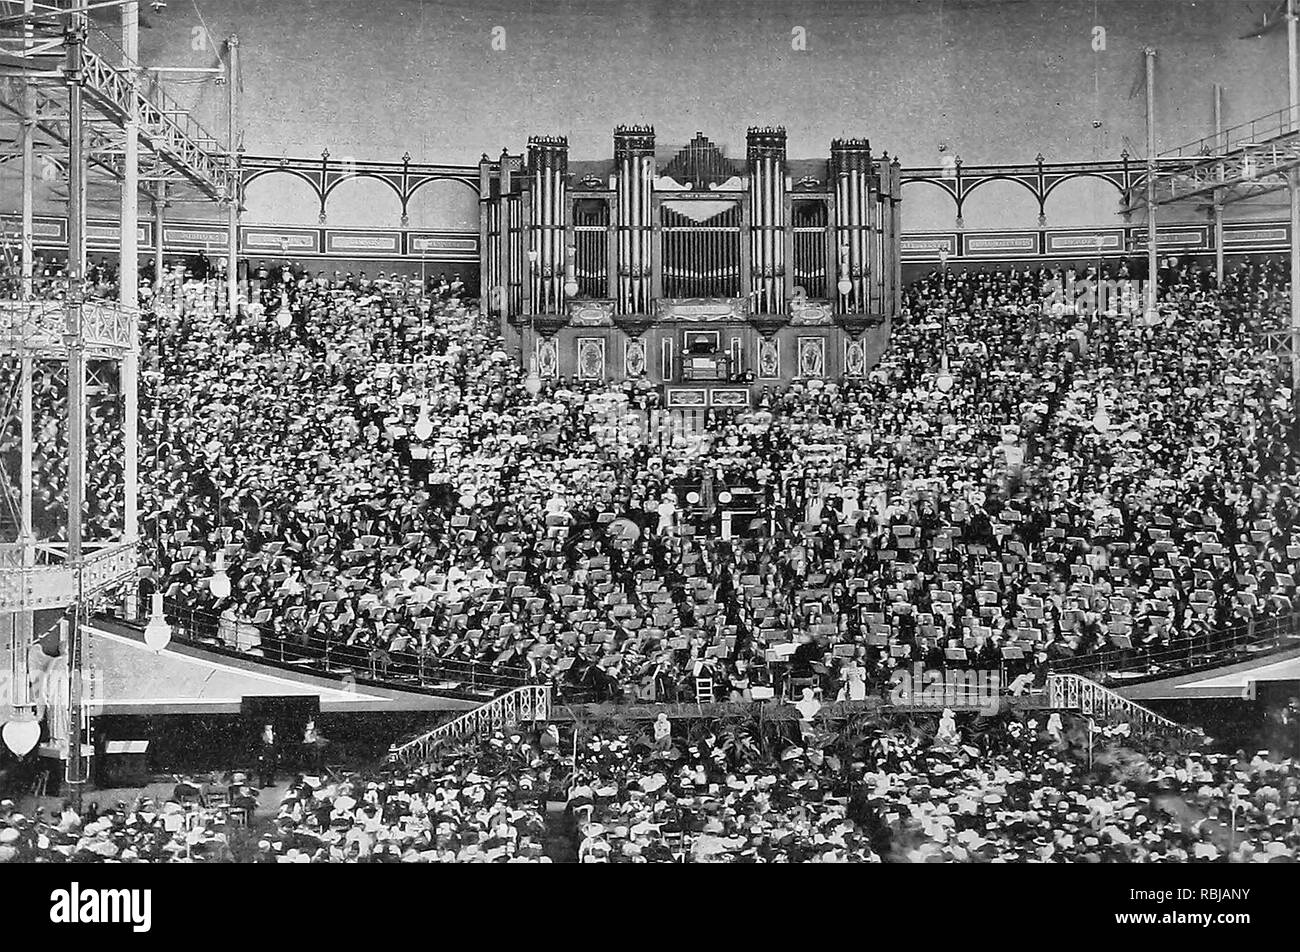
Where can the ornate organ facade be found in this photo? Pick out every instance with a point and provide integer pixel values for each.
(709, 275)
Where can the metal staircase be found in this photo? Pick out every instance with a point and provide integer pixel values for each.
(529, 703)
(1071, 692)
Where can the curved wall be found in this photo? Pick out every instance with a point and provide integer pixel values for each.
(994, 82)
(991, 82)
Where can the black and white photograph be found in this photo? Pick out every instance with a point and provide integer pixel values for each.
(650, 432)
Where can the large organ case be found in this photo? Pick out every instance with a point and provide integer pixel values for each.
(598, 268)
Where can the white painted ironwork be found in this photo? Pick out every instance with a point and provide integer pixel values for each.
(166, 129)
(1244, 161)
(39, 328)
(529, 703)
(56, 584)
(1070, 692)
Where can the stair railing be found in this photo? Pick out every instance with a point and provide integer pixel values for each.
(532, 702)
(1071, 692)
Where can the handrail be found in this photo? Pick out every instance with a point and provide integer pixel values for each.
(1260, 129)
(434, 674)
(529, 703)
(1070, 692)
(1251, 634)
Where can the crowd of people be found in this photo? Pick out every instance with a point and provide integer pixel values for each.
(485, 803)
(1021, 482)
(1024, 481)
(1013, 789)
(1019, 787)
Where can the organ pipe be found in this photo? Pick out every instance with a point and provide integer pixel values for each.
(851, 165)
(621, 232)
(634, 244)
(766, 154)
(647, 183)
(548, 168)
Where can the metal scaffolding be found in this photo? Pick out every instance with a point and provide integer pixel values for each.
(1243, 162)
(89, 111)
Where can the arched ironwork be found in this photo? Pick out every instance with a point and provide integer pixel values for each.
(326, 173)
(1040, 178)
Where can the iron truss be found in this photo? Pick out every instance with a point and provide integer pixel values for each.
(1277, 343)
(1243, 162)
(174, 146)
(38, 328)
(54, 582)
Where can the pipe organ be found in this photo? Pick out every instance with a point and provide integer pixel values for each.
(766, 160)
(683, 265)
(548, 160)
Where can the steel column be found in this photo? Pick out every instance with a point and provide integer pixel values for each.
(159, 205)
(28, 145)
(232, 198)
(1152, 252)
(128, 273)
(1293, 191)
(1217, 208)
(76, 381)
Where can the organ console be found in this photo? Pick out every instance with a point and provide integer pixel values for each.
(612, 269)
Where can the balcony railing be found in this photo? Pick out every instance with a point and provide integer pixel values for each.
(1208, 650)
(402, 669)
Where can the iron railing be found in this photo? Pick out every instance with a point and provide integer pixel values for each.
(1208, 650)
(1253, 131)
(529, 703)
(1069, 692)
(397, 669)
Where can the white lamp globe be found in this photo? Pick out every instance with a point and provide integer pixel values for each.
(571, 288)
(21, 735)
(533, 384)
(844, 286)
(157, 634)
(944, 382)
(219, 584)
(283, 319)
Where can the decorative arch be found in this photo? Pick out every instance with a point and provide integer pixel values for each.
(928, 206)
(984, 181)
(1114, 181)
(998, 202)
(363, 200)
(443, 204)
(420, 181)
(1083, 200)
(281, 196)
(336, 181)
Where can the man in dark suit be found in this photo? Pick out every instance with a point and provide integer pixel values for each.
(267, 754)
